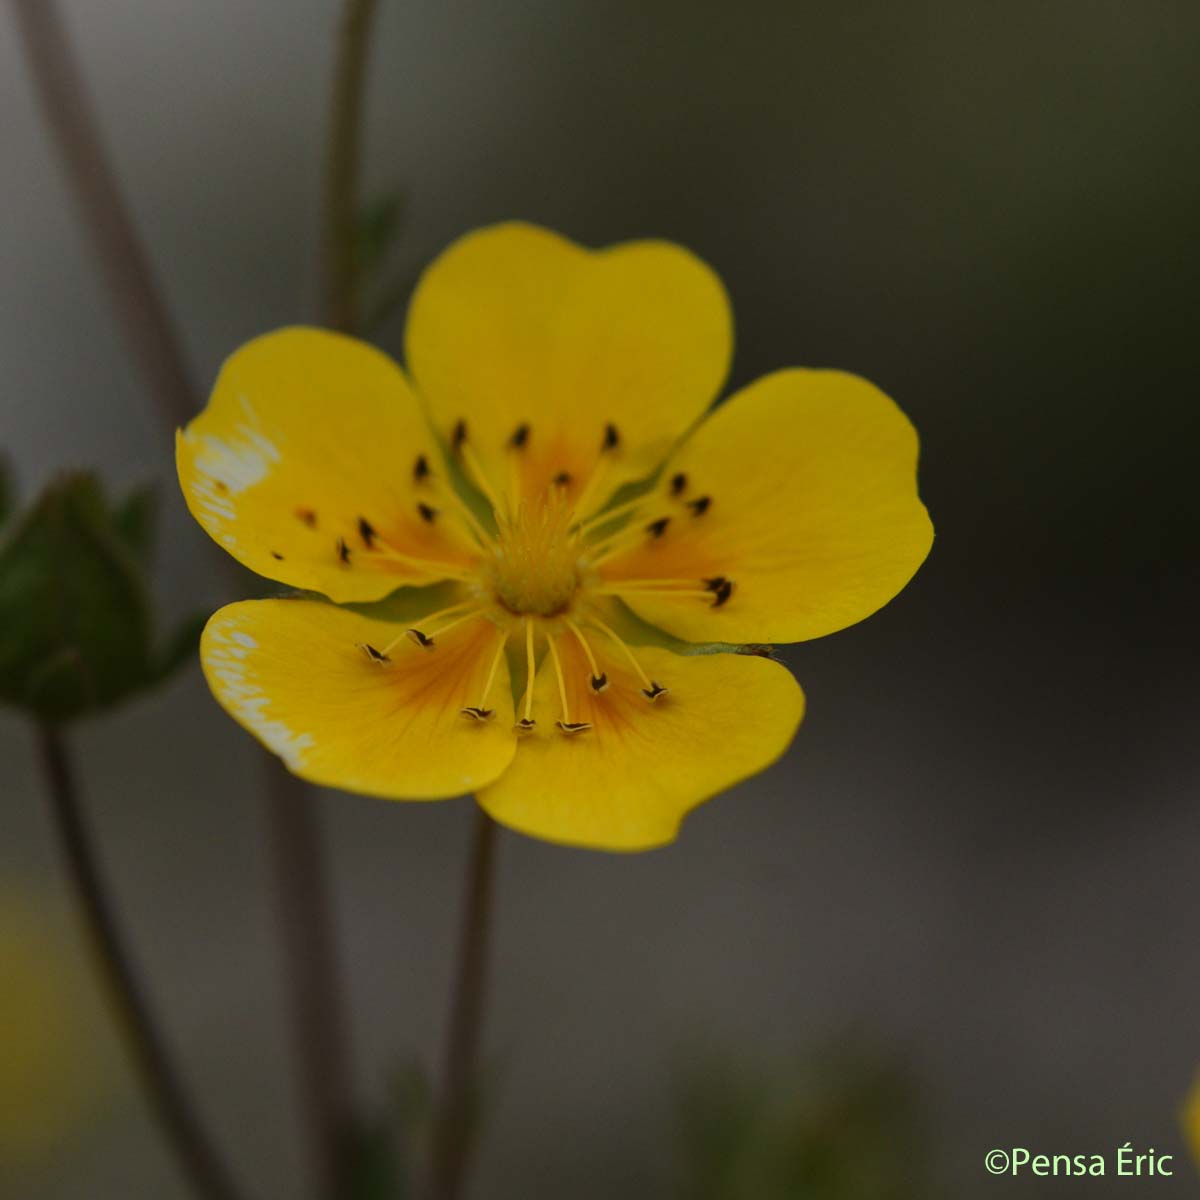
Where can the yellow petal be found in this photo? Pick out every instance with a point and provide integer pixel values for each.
(308, 434)
(514, 326)
(297, 674)
(809, 486)
(626, 783)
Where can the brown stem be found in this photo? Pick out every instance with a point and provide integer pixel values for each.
(319, 1025)
(455, 1117)
(319, 1020)
(343, 153)
(180, 1122)
(145, 322)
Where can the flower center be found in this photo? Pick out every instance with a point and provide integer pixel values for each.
(534, 567)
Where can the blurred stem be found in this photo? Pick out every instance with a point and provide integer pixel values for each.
(339, 285)
(144, 320)
(456, 1103)
(180, 1123)
(319, 1026)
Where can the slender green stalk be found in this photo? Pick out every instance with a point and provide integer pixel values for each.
(311, 964)
(452, 1135)
(339, 290)
(199, 1160)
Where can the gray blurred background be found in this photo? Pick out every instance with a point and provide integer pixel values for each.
(981, 851)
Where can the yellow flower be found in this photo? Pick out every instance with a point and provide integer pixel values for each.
(542, 379)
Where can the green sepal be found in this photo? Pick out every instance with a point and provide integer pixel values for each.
(135, 522)
(75, 623)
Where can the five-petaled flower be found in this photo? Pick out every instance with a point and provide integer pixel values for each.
(542, 380)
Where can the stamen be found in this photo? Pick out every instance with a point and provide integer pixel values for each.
(611, 514)
(527, 722)
(564, 722)
(387, 552)
(343, 551)
(599, 680)
(421, 471)
(275, 554)
(376, 656)
(479, 712)
(721, 594)
(459, 505)
(657, 528)
(475, 471)
(520, 436)
(678, 484)
(415, 635)
(700, 505)
(366, 531)
(650, 688)
(427, 513)
(610, 442)
(562, 479)
(307, 516)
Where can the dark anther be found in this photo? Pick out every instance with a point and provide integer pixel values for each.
(459, 435)
(717, 581)
(520, 436)
(654, 691)
(415, 635)
(277, 555)
(376, 656)
(307, 516)
(343, 551)
(599, 682)
(573, 726)
(474, 713)
(367, 532)
(612, 439)
(722, 593)
(700, 505)
(563, 478)
(427, 513)
(220, 485)
(526, 723)
(678, 484)
(421, 469)
(659, 527)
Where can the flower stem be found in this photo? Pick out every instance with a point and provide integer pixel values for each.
(339, 290)
(180, 1123)
(144, 320)
(319, 1026)
(455, 1116)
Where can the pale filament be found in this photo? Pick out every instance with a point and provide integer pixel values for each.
(611, 514)
(481, 711)
(565, 724)
(463, 512)
(529, 672)
(382, 548)
(647, 682)
(434, 616)
(587, 650)
(479, 477)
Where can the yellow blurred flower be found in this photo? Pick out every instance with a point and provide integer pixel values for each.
(41, 1073)
(1191, 1120)
(542, 379)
